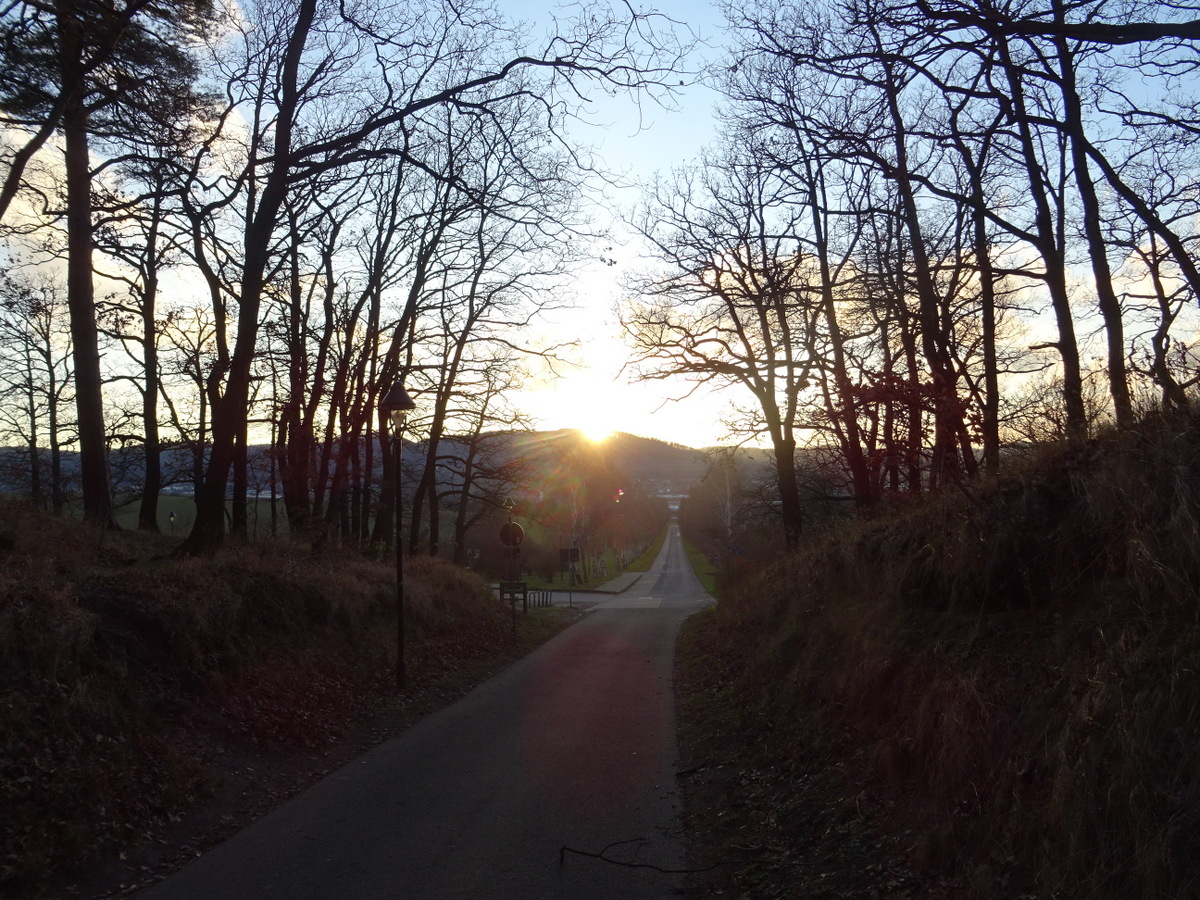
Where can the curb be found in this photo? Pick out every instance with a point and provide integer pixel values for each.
(604, 589)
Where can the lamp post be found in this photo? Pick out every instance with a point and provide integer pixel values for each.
(396, 406)
(509, 549)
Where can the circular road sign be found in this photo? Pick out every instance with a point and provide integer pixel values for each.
(511, 534)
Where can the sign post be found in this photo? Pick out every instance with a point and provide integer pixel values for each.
(567, 557)
(512, 593)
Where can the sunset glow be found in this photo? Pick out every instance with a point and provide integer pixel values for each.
(598, 435)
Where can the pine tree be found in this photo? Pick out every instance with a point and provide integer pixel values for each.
(91, 71)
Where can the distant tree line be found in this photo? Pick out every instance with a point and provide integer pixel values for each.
(931, 230)
(233, 225)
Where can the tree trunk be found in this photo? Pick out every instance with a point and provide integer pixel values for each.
(934, 341)
(152, 484)
(239, 521)
(860, 473)
(1110, 306)
(991, 374)
(35, 465)
(789, 492)
(89, 393)
(975, 165)
(1173, 394)
(384, 531)
(464, 497)
(916, 415)
(1052, 256)
(435, 523)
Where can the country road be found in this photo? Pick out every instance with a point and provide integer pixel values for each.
(573, 746)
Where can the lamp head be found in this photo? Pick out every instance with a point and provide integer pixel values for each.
(397, 404)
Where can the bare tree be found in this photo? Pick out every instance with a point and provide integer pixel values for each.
(734, 303)
(188, 352)
(317, 113)
(478, 471)
(950, 105)
(35, 378)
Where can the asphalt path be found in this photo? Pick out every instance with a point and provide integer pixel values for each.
(572, 747)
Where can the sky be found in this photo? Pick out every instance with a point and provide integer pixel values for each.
(594, 395)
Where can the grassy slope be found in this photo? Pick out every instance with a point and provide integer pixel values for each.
(1008, 678)
(647, 557)
(641, 564)
(132, 687)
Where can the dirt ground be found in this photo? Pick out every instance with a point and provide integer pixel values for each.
(772, 813)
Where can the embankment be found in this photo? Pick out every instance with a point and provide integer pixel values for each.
(1007, 677)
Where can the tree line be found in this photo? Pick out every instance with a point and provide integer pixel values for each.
(931, 231)
(235, 225)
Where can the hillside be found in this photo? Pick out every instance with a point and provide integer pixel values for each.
(670, 466)
(992, 694)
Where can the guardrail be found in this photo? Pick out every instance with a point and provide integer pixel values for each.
(515, 592)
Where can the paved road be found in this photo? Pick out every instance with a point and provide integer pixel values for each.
(573, 746)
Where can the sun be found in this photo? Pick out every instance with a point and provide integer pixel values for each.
(597, 434)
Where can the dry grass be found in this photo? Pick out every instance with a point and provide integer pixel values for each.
(1019, 664)
(118, 670)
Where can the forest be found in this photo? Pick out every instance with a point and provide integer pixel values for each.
(941, 258)
(931, 236)
(927, 235)
(228, 227)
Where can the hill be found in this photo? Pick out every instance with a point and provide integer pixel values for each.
(150, 707)
(669, 467)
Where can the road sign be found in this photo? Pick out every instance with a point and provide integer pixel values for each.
(568, 555)
(511, 534)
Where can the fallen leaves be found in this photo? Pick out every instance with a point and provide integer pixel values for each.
(787, 803)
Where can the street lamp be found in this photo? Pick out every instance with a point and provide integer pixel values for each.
(396, 406)
(508, 535)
